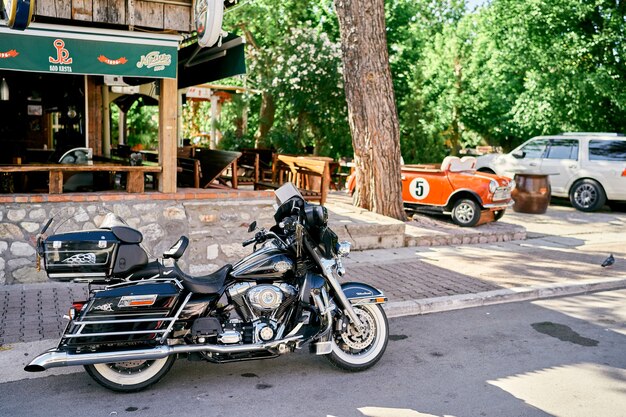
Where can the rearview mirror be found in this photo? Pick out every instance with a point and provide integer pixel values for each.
(519, 154)
(252, 227)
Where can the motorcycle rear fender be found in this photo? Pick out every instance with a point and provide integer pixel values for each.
(360, 293)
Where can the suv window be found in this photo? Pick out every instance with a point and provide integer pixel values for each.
(607, 150)
(535, 149)
(563, 149)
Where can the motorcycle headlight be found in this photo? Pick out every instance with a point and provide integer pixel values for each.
(493, 186)
(343, 248)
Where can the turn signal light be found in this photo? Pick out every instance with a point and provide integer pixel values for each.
(624, 173)
(136, 303)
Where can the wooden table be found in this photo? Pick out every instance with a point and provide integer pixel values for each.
(134, 183)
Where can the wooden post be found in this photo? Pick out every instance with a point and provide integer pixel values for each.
(168, 134)
(94, 110)
(55, 182)
(135, 182)
(214, 113)
(106, 121)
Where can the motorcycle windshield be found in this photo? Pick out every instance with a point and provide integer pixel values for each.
(286, 192)
(287, 199)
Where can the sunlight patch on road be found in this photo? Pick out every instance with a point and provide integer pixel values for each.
(394, 412)
(580, 390)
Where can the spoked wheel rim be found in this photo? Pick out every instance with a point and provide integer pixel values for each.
(586, 195)
(360, 346)
(356, 339)
(465, 212)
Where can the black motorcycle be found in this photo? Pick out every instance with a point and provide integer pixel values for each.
(141, 315)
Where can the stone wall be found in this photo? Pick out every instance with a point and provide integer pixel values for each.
(215, 229)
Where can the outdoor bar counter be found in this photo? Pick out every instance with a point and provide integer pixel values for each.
(135, 182)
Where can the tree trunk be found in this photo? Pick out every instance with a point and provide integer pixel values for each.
(266, 120)
(372, 112)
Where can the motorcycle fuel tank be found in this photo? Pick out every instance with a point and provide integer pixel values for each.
(267, 262)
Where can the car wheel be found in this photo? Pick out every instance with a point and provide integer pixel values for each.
(466, 212)
(587, 195)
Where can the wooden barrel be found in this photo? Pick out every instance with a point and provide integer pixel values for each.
(531, 193)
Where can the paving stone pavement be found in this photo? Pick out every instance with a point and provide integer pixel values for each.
(34, 312)
(410, 280)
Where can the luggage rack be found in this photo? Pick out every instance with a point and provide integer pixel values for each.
(82, 324)
(104, 285)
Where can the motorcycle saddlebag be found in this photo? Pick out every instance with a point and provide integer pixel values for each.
(142, 309)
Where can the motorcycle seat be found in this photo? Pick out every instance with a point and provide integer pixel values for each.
(208, 284)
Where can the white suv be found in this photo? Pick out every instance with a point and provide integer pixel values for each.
(589, 168)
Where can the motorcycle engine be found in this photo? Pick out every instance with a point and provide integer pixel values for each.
(263, 306)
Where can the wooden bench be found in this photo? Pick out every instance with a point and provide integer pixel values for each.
(310, 174)
(134, 184)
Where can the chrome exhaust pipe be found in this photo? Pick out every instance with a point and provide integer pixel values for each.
(55, 358)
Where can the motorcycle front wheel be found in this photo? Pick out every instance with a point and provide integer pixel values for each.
(355, 349)
(130, 376)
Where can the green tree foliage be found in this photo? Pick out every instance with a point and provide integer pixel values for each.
(542, 67)
(413, 25)
(293, 58)
(142, 123)
(496, 75)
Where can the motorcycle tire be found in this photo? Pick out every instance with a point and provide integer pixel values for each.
(130, 376)
(354, 350)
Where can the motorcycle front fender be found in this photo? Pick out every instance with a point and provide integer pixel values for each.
(360, 293)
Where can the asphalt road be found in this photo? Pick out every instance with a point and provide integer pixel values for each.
(561, 357)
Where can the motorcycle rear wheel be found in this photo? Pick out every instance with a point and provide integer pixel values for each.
(354, 350)
(130, 376)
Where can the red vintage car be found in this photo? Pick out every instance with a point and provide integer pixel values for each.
(455, 188)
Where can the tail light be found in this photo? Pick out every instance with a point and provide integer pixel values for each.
(624, 173)
(76, 308)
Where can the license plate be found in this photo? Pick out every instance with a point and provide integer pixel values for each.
(502, 193)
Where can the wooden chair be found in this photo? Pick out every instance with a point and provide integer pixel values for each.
(310, 174)
(248, 168)
(189, 172)
(266, 159)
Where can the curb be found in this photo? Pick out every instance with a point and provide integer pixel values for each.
(509, 295)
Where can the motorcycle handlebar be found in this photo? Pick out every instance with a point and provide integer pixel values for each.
(248, 242)
(46, 227)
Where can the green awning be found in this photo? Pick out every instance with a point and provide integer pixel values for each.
(67, 49)
(198, 65)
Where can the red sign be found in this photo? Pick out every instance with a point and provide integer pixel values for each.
(108, 61)
(9, 54)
